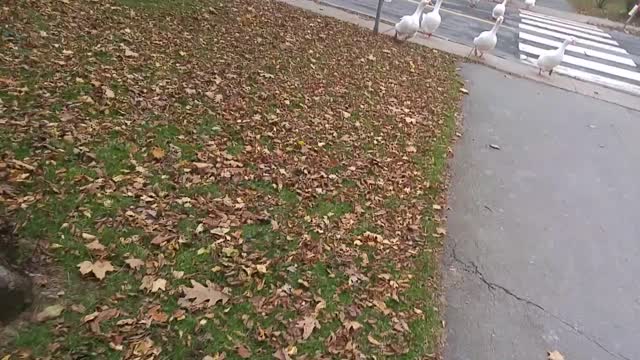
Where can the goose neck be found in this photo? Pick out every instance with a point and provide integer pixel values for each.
(420, 9)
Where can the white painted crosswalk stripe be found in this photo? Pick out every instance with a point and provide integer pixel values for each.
(612, 70)
(592, 32)
(565, 36)
(569, 31)
(596, 57)
(559, 20)
(578, 49)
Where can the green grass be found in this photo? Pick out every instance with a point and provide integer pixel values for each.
(612, 9)
(284, 235)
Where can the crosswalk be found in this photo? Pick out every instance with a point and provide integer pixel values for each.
(596, 57)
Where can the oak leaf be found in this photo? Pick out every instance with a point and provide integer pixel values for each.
(199, 294)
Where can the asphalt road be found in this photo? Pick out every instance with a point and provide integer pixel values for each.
(457, 28)
(461, 23)
(543, 251)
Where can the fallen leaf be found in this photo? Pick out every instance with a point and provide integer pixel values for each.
(373, 340)
(209, 295)
(281, 354)
(411, 149)
(157, 152)
(134, 263)
(88, 237)
(243, 352)
(261, 268)
(464, 91)
(441, 231)
(79, 308)
(98, 268)
(96, 318)
(308, 324)
(108, 93)
(50, 312)
(130, 53)
(555, 355)
(158, 284)
(95, 246)
(494, 146)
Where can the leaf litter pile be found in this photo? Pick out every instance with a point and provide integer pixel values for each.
(211, 180)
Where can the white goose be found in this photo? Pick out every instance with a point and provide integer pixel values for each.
(409, 25)
(548, 60)
(499, 9)
(529, 4)
(473, 3)
(487, 40)
(432, 20)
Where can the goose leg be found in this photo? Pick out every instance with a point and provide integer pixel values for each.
(395, 36)
(540, 71)
(550, 71)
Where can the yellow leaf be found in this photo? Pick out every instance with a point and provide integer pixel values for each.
(157, 152)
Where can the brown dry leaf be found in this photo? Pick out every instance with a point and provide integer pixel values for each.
(157, 152)
(308, 324)
(96, 318)
(50, 312)
(209, 295)
(129, 53)
(243, 352)
(95, 246)
(555, 355)
(134, 263)
(158, 284)
(441, 231)
(411, 149)
(108, 93)
(373, 340)
(281, 354)
(88, 237)
(98, 268)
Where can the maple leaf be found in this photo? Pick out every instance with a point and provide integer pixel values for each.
(209, 295)
(134, 263)
(95, 246)
(98, 268)
(158, 284)
(555, 355)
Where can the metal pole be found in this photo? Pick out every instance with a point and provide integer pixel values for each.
(378, 12)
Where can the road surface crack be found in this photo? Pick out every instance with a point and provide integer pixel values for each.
(472, 268)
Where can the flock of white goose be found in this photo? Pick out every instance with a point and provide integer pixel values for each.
(409, 25)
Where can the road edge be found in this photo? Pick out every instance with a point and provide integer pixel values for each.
(513, 68)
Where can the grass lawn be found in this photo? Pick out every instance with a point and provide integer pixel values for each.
(612, 9)
(206, 179)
